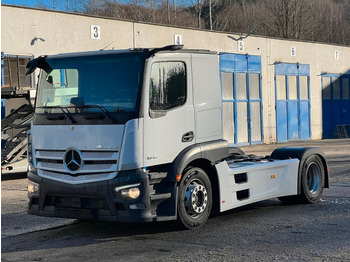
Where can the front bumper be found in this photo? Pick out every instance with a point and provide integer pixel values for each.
(98, 200)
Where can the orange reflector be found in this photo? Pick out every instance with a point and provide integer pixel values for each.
(273, 176)
(223, 201)
(178, 177)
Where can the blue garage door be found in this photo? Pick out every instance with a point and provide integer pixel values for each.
(292, 102)
(335, 103)
(241, 96)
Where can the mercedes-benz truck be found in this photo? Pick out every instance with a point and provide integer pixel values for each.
(137, 136)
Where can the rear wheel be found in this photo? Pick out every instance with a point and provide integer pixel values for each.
(312, 182)
(195, 198)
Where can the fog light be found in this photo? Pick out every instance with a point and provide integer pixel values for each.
(33, 188)
(128, 191)
(132, 193)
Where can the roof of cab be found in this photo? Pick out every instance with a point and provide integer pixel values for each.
(150, 51)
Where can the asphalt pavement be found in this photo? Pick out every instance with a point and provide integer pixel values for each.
(265, 231)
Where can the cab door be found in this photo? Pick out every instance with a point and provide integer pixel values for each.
(168, 108)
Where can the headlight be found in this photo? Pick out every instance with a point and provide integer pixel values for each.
(33, 188)
(128, 191)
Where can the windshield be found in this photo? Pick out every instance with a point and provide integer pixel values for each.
(104, 84)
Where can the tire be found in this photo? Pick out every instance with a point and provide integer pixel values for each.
(195, 198)
(312, 182)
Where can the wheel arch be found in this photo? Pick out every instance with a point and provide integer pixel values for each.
(204, 156)
(302, 153)
(209, 152)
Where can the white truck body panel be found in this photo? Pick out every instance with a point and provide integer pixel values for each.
(265, 180)
(131, 153)
(84, 137)
(207, 97)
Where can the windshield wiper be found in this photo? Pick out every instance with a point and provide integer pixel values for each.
(63, 109)
(103, 110)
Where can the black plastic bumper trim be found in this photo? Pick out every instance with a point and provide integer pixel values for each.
(60, 199)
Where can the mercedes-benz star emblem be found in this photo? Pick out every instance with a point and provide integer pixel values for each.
(72, 160)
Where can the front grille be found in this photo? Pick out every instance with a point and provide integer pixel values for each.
(94, 162)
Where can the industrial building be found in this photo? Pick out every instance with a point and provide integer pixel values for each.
(274, 90)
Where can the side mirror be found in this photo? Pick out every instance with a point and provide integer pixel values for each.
(49, 79)
(77, 101)
(39, 62)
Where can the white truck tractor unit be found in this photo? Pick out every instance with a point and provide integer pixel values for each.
(137, 136)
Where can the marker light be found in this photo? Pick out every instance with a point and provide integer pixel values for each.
(178, 177)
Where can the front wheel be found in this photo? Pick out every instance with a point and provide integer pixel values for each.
(195, 198)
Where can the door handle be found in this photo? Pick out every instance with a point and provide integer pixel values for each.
(188, 137)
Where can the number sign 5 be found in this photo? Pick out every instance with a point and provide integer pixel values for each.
(240, 46)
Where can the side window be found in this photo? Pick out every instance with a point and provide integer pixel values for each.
(167, 85)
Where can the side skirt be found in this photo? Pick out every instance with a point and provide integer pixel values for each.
(244, 183)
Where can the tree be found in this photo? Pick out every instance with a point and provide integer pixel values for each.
(311, 20)
(197, 6)
(287, 18)
(66, 5)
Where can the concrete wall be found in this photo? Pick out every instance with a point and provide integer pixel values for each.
(64, 32)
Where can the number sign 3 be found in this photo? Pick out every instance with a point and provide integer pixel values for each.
(95, 32)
